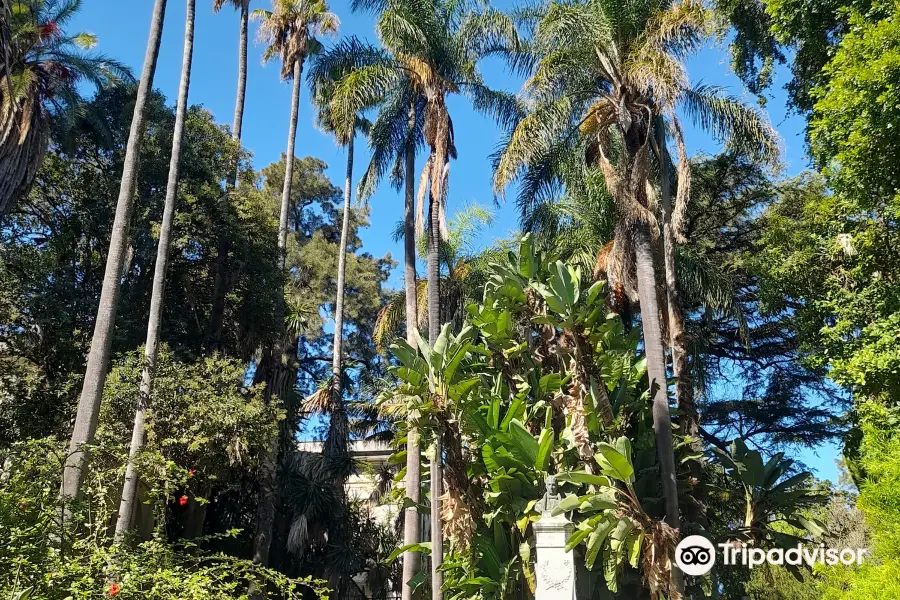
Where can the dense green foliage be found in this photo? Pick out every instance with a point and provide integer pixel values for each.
(204, 421)
(826, 253)
(542, 379)
(771, 303)
(33, 567)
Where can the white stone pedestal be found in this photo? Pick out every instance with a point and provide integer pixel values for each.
(555, 568)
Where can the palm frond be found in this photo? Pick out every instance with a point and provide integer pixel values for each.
(397, 29)
(487, 32)
(236, 4)
(361, 89)
(657, 74)
(388, 138)
(372, 6)
(679, 29)
(504, 107)
(701, 283)
(341, 59)
(531, 138)
(389, 320)
(740, 126)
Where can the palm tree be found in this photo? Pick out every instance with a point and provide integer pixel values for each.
(773, 491)
(394, 137)
(323, 75)
(104, 325)
(42, 67)
(217, 312)
(433, 50)
(605, 70)
(566, 205)
(244, 7)
(288, 30)
(129, 489)
(461, 283)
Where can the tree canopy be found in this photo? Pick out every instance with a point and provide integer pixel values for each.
(659, 342)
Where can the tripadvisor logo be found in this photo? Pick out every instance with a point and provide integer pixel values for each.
(696, 555)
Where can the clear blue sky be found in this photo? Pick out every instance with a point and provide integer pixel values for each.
(122, 28)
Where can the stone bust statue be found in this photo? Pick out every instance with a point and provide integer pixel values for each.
(551, 496)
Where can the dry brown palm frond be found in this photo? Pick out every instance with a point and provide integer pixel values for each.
(442, 201)
(640, 172)
(389, 320)
(460, 270)
(322, 400)
(611, 176)
(422, 302)
(424, 178)
(420, 71)
(656, 74)
(457, 510)
(459, 526)
(628, 206)
(621, 271)
(601, 265)
(424, 75)
(431, 123)
(23, 141)
(682, 195)
(598, 117)
(659, 547)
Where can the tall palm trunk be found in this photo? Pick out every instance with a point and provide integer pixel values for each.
(411, 532)
(336, 444)
(280, 366)
(289, 162)
(439, 157)
(220, 285)
(656, 369)
(129, 489)
(437, 471)
(655, 352)
(104, 326)
(278, 369)
(242, 77)
(336, 360)
(688, 418)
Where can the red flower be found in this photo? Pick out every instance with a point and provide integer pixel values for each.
(49, 29)
(183, 500)
(114, 589)
(191, 473)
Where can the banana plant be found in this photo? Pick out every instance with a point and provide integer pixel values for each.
(613, 524)
(432, 373)
(771, 494)
(522, 386)
(572, 333)
(513, 466)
